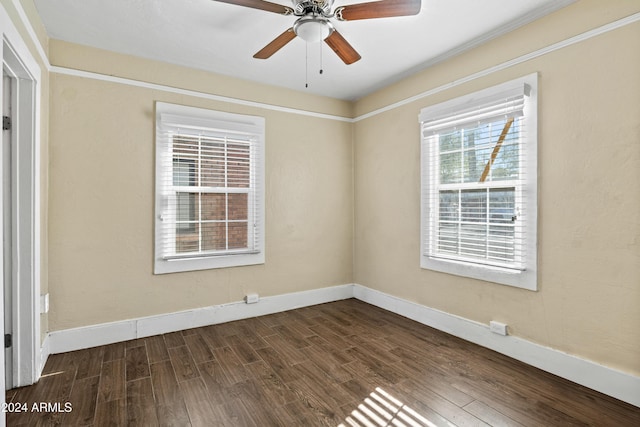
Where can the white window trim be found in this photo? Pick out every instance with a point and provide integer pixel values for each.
(208, 119)
(527, 277)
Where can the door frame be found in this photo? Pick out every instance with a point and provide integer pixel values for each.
(20, 65)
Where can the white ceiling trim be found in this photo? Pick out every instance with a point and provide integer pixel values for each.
(527, 57)
(197, 94)
(519, 60)
(532, 16)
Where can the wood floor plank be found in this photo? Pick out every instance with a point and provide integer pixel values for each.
(520, 408)
(546, 387)
(246, 391)
(165, 384)
(211, 374)
(55, 363)
(231, 367)
(112, 413)
(327, 364)
(113, 351)
(490, 415)
(320, 411)
(174, 339)
(173, 415)
(138, 342)
(170, 405)
(112, 381)
(276, 391)
(251, 332)
(236, 413)
(200, 351)
(342, 363)
(297, 413)
(338, 341)
(199, 407)
(342, 315)
(156, 349)
(84, 394)
(141, 408)
(137, 363)
(256, 401)
(89, 362)
(374, 348)
(325, 347)
(187, 332)
(183, 363)
(213, 337)
(369, 317)
(292, 336)
(243, 350)
(275, 319)
(420, 397)
(300, 325)
(258, 327)
(320, 385)
(299, 318)
(412, 366)
(285, 349)
(9, 395)
(329, 323)
(279, 363)
(46, 418)
(526, 386)
(380, 368)
(358, 388)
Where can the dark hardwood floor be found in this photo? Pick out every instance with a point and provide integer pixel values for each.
(339, 364)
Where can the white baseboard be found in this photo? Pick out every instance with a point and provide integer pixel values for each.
(108, 333)
(620, 385)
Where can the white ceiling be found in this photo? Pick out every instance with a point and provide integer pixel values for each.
(222, 38)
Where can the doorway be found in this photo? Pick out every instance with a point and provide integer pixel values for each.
(20, 207)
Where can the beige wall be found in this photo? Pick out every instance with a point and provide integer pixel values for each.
(588, 303)
(102, 197)
(324, 174)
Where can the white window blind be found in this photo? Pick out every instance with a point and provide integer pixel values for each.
(479, 185)
(209, 189)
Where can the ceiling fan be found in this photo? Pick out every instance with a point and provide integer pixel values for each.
(314, 25)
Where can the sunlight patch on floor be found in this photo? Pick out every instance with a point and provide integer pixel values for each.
(51, 374)
(381, 409)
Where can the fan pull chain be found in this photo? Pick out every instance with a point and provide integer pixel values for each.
(306, 65)
(321, 57)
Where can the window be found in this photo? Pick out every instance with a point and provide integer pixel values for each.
(479, 186)
(209, 189)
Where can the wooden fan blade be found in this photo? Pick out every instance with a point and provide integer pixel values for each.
(260, 4)
(277, 44)
(378, 9)
(342, 48)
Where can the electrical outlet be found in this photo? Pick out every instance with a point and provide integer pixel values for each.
(251, 298)
(498, 328)
(44, 303)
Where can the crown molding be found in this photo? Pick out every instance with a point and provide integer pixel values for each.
(507, 64)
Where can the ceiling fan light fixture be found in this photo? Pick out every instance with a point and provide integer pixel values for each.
(313, 29)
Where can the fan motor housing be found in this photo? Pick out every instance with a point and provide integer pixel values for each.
(318, 7)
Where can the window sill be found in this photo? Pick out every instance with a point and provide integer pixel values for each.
(175, 265)
(525, 279)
